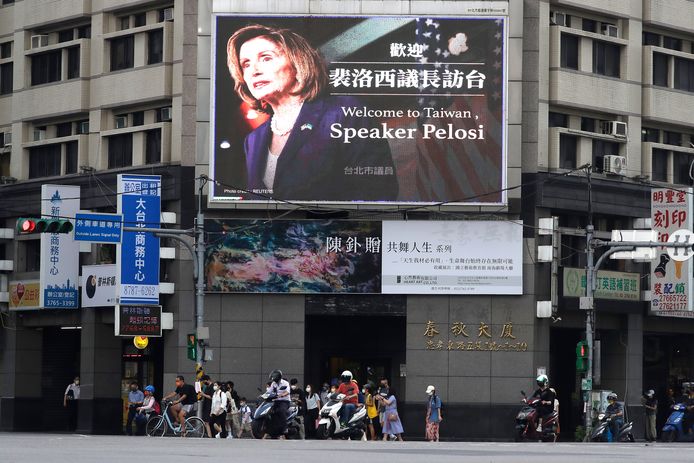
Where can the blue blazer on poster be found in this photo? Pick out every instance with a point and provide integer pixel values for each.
(315, 167)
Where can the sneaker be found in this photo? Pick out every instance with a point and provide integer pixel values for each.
(218, 435)
(229, 436)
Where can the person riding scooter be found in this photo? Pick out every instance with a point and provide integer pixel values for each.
(616, 411)
(280, 388)
(547, 397)
(350, 389)
(688, 419)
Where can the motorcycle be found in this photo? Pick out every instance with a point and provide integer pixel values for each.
(603, 433)
(263, 417)
(526, 422)
(674, 426)
(330, 425)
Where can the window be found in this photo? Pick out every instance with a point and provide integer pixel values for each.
(138, 118)
(569, 51)
(672, 43)
(66, 35)
(6, 71)
(124, 23)
(6, 50)
(567, 151)
(32, 255)
(680, 168)
(651, 135)
(73, 62)
(155, 46)
(122, 53)
(140, 19)
(660, 70)
(84, 32)
(589, 25)
(44, 161)
(63, 130)
(649, 38)
(558, 120)
(120, 151)
(46, 67)
(153, 146)
(684, 74)
(588, 124)
(659, 165)
(71, 153)
(603, 148)
(672, 138)
(7, 2)
(606, 58)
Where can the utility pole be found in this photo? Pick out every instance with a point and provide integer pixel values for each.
(200, 278)
(590, 275)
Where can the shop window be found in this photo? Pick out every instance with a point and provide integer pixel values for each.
(684, 74)
(122, 53)
(120, 151)
(569, 51)
(71, 156)
(155, 46)
(660, 69)
(6, 71)
(44, 161)
(659, 165)
(567, 151)
(73, 62)
(558, 120)
(153, 146)
(46, 67)
(606, 61)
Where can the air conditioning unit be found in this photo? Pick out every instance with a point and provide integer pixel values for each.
(38, 41)
(611, 30)
(7, 139)
(121, 122)
(39, 134)
(165, 114)
(616, 165)
(83, 128)
(615, 128)
(168, 14)
(559, 19)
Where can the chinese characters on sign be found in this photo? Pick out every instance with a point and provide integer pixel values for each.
(98, 228)
(371, 244)
(406, 78)
(98, 285)
(24, 295)
(671, 287)
(460, 339)
(136, 320)
(609, 285)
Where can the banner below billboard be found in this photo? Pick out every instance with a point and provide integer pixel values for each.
(377, 109)
(395, 257)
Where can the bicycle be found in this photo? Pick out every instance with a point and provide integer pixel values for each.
(160, 425)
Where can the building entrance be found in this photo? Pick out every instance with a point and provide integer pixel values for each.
(565, 380)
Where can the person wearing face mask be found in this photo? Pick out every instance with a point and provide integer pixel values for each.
(298, 397)
(324, 392)
(206, 384)
(313, 404)
(246, 418)
(135, 399)
(70, 398)
(218, 410)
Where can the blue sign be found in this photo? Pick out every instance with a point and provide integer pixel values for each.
(139, 201)
(98, 228)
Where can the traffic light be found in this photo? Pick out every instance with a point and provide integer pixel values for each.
(28, 226)
(582, 357)
(192, 347)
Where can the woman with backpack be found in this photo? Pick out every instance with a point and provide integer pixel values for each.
(218, 410)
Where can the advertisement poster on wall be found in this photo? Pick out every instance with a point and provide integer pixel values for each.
(98, 285)
(358, 109)
(362, 257)
(25, 295)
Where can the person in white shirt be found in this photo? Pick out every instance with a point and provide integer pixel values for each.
(144, 410)
(279, 387)
(218, 411)
(70, 398)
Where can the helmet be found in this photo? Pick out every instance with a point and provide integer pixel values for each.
(542, 380)
(430, 390)
(276, 376)
(612, 396)
(346, 376)
(150, 389)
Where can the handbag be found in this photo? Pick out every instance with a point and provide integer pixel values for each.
(392, 416)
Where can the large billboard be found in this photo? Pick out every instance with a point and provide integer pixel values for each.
(351, 109)
(361, 257)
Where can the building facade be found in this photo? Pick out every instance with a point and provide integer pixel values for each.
(94, 89)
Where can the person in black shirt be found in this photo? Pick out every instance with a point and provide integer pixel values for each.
(650, 403)
(207, 392)
(616, 411)
(688, 420)
(187, 397)
(298, 398)
(546, 396)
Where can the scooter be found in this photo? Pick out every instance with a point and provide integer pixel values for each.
(330, 426)
(674, 430)
(526, 423)
(263, 417)
(603, 433)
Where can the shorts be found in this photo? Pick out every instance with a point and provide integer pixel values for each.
(187, 408)
(373, 420)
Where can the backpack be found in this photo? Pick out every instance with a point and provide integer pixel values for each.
(157, 408)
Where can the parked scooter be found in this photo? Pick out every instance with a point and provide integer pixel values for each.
(527, 420)
(330, 426)
(674, 426)
(263, 417)
(603, 433)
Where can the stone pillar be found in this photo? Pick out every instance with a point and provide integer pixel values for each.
(634, 374)
(20, 379)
